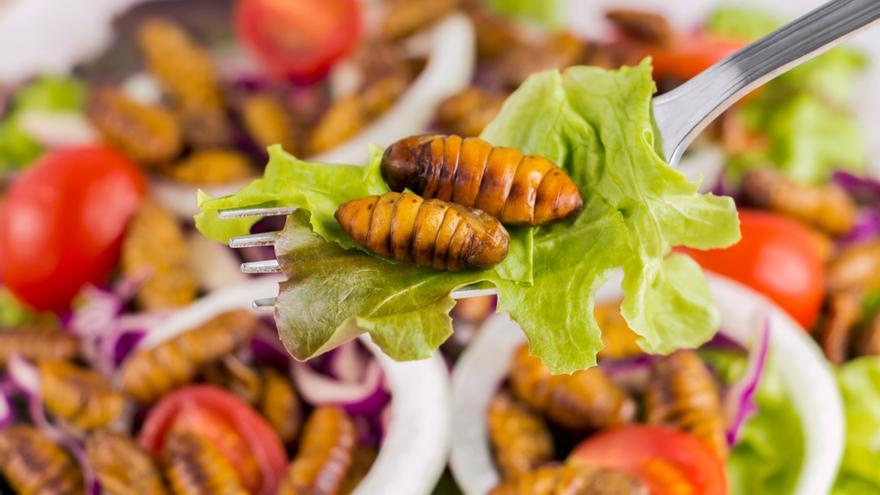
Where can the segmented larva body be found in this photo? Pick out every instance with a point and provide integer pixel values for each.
(508, 185)
(149, 373)
(682, 393)
(194, 466)
(268, 122)
(145, 133)
(34, 465)
(235, 376)
(78, 395)
(122, 467)
(325, 455)
(37, 344)
(572, 479)
(212, 166)
(855, 268)
(583, 400)
(520, 438)
(280, 405)
(429, 232)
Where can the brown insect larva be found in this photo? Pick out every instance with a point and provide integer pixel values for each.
(618, 338)
(429, 232)
(857, 267)
(121, 466)
(496, 35)
(37, 344)
(520, 438)
(194, 466)
(268, 122)
(405, 17)
(146, 133)
(843, 311)
(642, 25)
(867, 341)
(582, 400)
(149, 373)
(325, 454)
(236, 376)
(468, 112)
(78, 395)
(573, 479)
(280, 405)
(155, 251)
(508, 185)
(826, 207)
(682, 393)
(34, 465)
(212, 166)
(559, 51)
(362, 462)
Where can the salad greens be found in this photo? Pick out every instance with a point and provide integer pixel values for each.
(859, 382)
(597, 124)
(547, 13)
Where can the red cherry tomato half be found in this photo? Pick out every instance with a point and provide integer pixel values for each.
(62, 223)
(298, 39)
(688, 56)
(778, 257)
(240, 434)
(667, 460)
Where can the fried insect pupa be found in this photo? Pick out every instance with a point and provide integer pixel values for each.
(520, 438)
(855, 268)
(280, 405)
(147, 134)
(237, 377)
(37, 344)
(121, 466)
(642, 25)
(683, 394)
(212, 166)
(573, 479)
(469, 111)
(826, 207)
(193, 466)
(508, 185)
(267, 122)
(34, 465)
(325, 454)
(429, 232)
(405, 17)
(585, 399)
(78, 395)
(149, 373)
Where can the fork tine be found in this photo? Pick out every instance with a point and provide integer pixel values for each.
(253, 240)
(265, 304)
(268, 303)
(265, 266)
(256, 211)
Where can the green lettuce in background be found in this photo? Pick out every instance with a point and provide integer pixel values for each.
(802, 112)
(547, 13)
(859, 382)
(595, 123)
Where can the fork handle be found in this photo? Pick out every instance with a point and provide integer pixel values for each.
(681, 114)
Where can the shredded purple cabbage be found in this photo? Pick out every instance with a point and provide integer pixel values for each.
(739, 401)
(867, 227)
(864, 190)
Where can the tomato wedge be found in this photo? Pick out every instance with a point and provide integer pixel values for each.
(689, 55)
(238, 432)
(298, 40)
(778, 257)
(62, 223)
(669, 461)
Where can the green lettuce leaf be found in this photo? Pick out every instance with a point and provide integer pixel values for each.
(741, 22)
(547, 13)
(595, 123)
(859, 382)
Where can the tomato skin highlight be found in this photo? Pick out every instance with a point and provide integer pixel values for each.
(215, 414)
(689, 55)
(777, 257)
(62, 223)
(298, 40)
(667, 460)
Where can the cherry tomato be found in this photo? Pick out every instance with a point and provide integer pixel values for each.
(62, 223)
(298, 39)
(238, 432)
(689, 55)
(667, 460)
(778, 257)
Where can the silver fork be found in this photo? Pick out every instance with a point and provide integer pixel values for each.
(681, 114)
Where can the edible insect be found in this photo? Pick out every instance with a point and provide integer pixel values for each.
(122, 467)
(586, 399)
(520, 438)
(189, 78)
(682, 393)
(835, 332)
(280, 405)
(429, 232)
(212, 166)
(155, 252)
(362, 460)
(619, 339)
(78, 395)
(147, 134)
(867, 341)
(325, 454)
(37, 344)
(469, 111)
(573, 479)
(826, 207)
(642, 25)
(559, 51)
(508, 185)
(405, 17)
(194, 466)
(857, 267)
(267, 122)
(34, 465)
(149, 373)
(238, 377)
